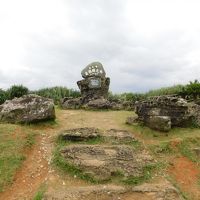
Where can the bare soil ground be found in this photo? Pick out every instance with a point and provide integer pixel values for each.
(37, 169)
(186, 173)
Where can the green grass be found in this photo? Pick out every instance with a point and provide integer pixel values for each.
(117, 176)
(40, 193)
(176, 132)
(65, 167)
(162, 148)
(184, 195)
(184, 148)
(147, 174)
(13, 139)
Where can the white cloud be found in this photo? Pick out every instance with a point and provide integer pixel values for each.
(142, 44)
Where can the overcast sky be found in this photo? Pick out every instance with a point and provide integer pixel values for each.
(142, 44)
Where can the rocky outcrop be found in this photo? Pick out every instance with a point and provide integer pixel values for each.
(95, 84)
(163, 112)
(71, 103)
(94, 89)
(104, 161)
(162, 123)
(27, 109)
(87, 133)
(113, 155)
(147, 191)
(131, 120)
(163, 191)
(116, 135)
(98, 104)
(80, 134)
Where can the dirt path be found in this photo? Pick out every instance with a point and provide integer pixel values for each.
(37, 168)
(186, 174)
(33, 173)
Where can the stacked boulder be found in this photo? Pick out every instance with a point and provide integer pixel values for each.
(163, 112)
(94, 89)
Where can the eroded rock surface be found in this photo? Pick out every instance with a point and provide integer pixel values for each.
(27, 109)
(162, 112)
(118, 135)
(147, 191)
(80, 134)
(87, 133)
(71, 103)
(95, 84)
(103, 161)
(163, 191)
(100, 103)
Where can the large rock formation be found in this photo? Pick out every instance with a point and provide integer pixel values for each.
(27, 109)
(164, 112)
(95, 84)
(94, 89)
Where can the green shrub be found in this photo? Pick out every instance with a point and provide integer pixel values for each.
(17, 91)
(57, 93)
(193, 89)
(3, 96)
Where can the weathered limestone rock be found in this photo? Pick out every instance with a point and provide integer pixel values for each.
(163, 191)
(118, 135)
(103, 161)
(98, 104)
(164, 111)
(128, 105)
(27, 109)
(71, 103)
(161, 123)
(116, 106)
(84, 134)
(131, 120)
(80, 134)
(95, 85)
(146, 191)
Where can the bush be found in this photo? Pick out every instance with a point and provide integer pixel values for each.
(173, 90)
(57, 93)
(193, 89)
(3, 96)
(17, 91)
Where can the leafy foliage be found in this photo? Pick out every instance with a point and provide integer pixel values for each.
(126, 97)
(193, 89)
(57, 93)
(189, 91)
(17, 91)
(3, 96)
